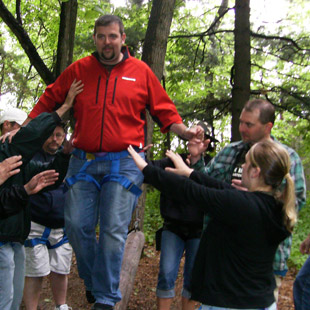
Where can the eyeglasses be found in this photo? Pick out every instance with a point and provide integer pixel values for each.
(58, 135)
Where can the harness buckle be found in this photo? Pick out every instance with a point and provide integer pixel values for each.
(130, 186)
(90, 156)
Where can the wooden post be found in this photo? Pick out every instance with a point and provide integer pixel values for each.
(133, 249)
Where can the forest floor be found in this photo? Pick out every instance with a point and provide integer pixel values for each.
(143, 296)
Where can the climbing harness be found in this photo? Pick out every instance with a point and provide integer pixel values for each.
(44, 240)
(113, 176)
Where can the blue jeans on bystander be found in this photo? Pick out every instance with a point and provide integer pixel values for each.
(12, 274)
(172, 249)
(301, 288)
(206, 307)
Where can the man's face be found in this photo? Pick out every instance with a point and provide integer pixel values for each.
(109, 42)
(251, 129)
(53, 143)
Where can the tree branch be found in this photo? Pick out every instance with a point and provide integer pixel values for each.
(18, 15)
(26, 44)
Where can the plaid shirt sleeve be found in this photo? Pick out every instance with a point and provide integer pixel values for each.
(220, 167)
(199, 165)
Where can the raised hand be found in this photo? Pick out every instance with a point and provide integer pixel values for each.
(195, 132)
(9, 135)
(9, 167)
(196, 148)
(40, 181)
(75, 88)
(140, 162)
(180, 167)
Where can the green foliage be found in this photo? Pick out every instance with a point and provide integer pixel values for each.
(152, 219)
(294, 132)
(301, 231)
(198, 65)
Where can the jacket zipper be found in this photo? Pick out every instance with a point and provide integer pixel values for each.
(98, 86)
(114, 90)
(104, 103)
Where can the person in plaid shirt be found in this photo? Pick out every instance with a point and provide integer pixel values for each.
(256, 121)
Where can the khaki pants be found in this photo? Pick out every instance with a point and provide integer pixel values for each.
(278, 284)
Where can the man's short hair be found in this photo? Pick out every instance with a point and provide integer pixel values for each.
(266, 110)
(106, 20)
(64, 125)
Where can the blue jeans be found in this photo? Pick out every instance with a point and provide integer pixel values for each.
(99, 261)
(301, 288)
(206, 307)
(172, 249)
(12, 274)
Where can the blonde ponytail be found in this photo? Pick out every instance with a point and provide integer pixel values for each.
(289, 201)
(274, 163)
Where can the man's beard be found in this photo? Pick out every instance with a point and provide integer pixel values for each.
(102, 56)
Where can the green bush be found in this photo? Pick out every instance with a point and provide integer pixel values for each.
(301, 231)
(152, 219)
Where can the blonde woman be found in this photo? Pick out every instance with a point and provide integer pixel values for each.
(233, 266)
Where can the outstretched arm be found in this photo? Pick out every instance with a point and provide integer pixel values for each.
(187, 133)
(180, 167)
(75, 88)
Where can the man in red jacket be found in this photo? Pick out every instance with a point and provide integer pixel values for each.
(103, 180)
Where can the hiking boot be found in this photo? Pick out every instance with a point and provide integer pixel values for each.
(90, 297)
(99, 306)
(63, 307)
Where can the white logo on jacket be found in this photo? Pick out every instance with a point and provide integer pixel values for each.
(128, 78)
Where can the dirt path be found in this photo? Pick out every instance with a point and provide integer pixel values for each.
(143, 296)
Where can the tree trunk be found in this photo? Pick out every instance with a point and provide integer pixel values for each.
(66, 35)
(154, 52)
(132, 254)
(242, 64)
(209, 73)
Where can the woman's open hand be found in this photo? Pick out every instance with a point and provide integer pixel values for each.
(180, 167)
(140, 162)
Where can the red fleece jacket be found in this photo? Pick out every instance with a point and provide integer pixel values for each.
(110, 112)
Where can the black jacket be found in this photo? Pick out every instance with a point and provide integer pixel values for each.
(173, 210)
(27, 142)
(233, 266)
(47, 207)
